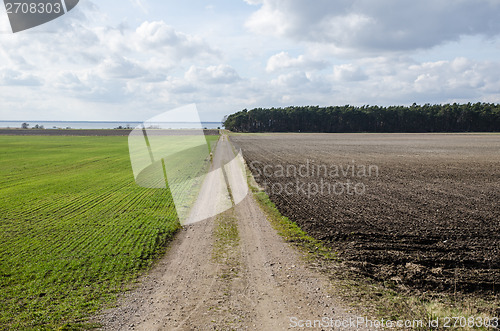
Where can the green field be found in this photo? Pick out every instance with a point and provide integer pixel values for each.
(75, 228)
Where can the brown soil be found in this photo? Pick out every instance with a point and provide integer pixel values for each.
(429, 220)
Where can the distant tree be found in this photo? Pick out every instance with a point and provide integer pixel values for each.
(25, 126)
(415, 118)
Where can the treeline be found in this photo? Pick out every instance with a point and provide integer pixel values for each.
(477, 117)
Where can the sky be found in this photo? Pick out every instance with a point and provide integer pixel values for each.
(130, 60)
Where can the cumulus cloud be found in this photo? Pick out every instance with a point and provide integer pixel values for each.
(158, 36)
(253, 2)
(221, 74)
(388, 80)
(16, 78)
(284, 61)
(348, 72)
(138, 68)
(88, 60)
(404, 81)
(120, 67)
(385, 25)
(460, 76)
(291, 80)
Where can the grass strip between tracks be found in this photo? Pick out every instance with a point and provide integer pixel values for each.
(225, 250)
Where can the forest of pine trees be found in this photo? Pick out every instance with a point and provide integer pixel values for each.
(470, 117)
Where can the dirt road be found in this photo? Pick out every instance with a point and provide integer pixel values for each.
(230, 272)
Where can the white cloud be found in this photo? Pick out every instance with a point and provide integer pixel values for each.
(221, 74)
(284, 61)
(460, 77)
(120, 67)
(91, 63)
(253, 2)
(403, 81)
(96, 65)
(385, 25)
(158, 36)
(296, 80)
(349, 73)
(17, 78)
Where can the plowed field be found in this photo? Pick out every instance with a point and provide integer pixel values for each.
(420, 210)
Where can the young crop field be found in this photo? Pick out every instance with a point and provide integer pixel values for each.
(417, 210)
(75, 227)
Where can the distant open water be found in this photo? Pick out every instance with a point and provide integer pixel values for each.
(101, 125)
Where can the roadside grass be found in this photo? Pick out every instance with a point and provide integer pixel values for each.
(231, 133)
(75, 228)
(377, 300)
